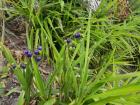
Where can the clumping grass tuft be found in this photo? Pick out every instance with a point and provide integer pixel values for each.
(97, 64)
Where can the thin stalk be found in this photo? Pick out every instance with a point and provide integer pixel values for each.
(3, 23)
(84, 74)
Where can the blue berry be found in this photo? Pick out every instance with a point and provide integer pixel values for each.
(36, 52)
(77, 35)
(26, 52)
(68, 40)
(40, 48)
(38, 59)
(29, 54)
(22, 65)
(13, 66)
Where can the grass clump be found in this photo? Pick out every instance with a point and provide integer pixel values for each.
(94, 54)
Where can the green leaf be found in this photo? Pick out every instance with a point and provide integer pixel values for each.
(21, 98)
(129, 89)
(50, 102)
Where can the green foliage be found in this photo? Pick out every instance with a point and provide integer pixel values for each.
(99, 68)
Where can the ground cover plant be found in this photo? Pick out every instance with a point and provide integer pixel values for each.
(93, 55)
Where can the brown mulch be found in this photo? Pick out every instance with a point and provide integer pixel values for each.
(9, 100)
(14, 41)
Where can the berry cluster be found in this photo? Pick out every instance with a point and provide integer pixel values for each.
(29, 54)
(76, 36)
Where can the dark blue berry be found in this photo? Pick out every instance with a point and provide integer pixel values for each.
(38, 59)
(23, 66)
(77, 35)
(36, 52)
(26, 52)
(40, 48)
(29, 54)
(13, 67)
(68, 40)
